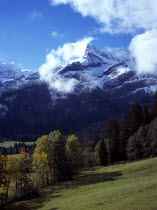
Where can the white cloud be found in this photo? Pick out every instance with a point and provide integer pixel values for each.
(57, 59)
(55, 34)
(117, 15)
(125, 16)
(119, 53)
(36, 15)
(144, 49)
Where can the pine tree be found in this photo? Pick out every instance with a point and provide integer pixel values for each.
(135, 118)
(145, 115)
(143, 137)
(153, 147)
(154, 107)
(134, 148)
(101, 153)
(59, 126)
(123, 137)
(112, 135)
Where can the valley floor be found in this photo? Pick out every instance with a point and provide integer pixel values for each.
(128, 186)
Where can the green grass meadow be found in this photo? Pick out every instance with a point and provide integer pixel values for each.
(8, 144)
(127, 186)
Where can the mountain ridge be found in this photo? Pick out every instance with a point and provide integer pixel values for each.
(101, 68)
(29, 106)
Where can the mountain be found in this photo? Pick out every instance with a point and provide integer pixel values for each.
(11, 76)
(106, 84)
(109, 71)
(112, 71)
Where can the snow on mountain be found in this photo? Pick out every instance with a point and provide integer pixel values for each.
(94, 56)
(109, 71)
(107, 83)
(9, 71)
(113, 71)
(12, 76)
(120, 54)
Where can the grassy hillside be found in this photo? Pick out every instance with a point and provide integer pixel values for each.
(128, 186)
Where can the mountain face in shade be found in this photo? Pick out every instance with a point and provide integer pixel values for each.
(107, 84)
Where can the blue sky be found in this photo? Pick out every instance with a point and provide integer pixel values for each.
(29, 29)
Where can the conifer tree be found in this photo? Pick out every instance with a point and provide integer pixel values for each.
(135, 118)
(154, 107)
(123, 137)
(143, 136)
(135, 147)
(112, 135)
(101, 153)
(145, 115)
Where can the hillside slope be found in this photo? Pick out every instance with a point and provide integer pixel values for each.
(129, 186)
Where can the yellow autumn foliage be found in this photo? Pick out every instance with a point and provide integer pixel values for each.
(41, 144)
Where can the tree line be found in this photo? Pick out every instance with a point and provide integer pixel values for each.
(131, 138)
(57, 158)
(15, 148)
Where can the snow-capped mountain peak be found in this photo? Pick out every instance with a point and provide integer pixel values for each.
(10, 71)
(96, 57)
(12, 76)
(110, 70)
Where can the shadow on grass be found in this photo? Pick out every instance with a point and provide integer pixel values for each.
(55, 191)
(94, 178)
(88, 179)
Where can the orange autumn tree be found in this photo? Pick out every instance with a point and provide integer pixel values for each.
(56, 158)
(3, 161)
(23, 175)
(49, 159)
(11, 174)
(40, 162)
(18, 176)
(8, 170)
